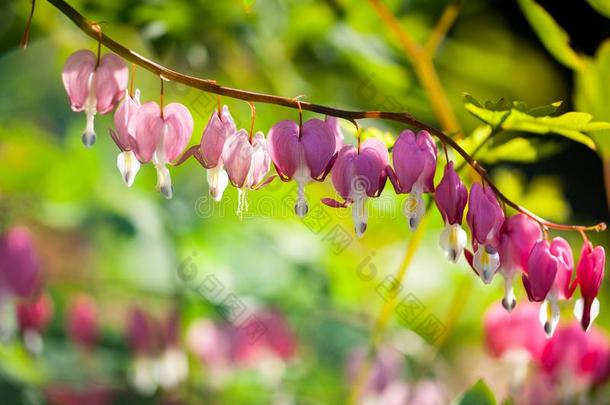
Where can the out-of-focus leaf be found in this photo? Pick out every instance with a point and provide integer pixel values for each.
(384, 136)
(518, 150)
(554, 38)
(592, 93)
(572, 125)
(478, 394)
(602, 6)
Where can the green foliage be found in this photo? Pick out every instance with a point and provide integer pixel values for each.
(554, 38)
(478, 394)
(516, 116)
(602, 6)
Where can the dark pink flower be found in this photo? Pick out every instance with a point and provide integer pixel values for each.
(160, 137)
(82, 323)
(518, 236)
(19, 266)
(414, 159)
(124, 137)
(450, 197)
(589, 276)
(140, 332)
(485, 218)
(246, 163)
(303, 154)
(358, 175)
(516, 331)
(547, 278)
(94, 88)
(577, 359)
(34, 314)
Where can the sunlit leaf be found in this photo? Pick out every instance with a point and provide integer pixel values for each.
(554, 38)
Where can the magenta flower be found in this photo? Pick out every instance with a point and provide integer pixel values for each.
(246, 164)
(94, 87)
(509, 333)
(518, 236)
(19, 266)
(333, 124)
(450, 197)
(160, 137)
(82, 325)
(575, 359)
(485, 218)
(358, 175)
(589, 276)
(547, 278)
(303, 154)
(33, 315)
(414, 159)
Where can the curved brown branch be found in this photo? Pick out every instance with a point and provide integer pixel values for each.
(211, 86)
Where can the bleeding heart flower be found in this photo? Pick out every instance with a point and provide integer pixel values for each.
(246, 164)
(547, 278)
(19, 266)
(92, 87)
(335, 127)
(518, 236)
(485, 218)
(127, 162)
(220, 127)
(303, 154)
(450, 197)
(414, 159)
(511, 334)
(575, 359)
(82, 326)
(357, 175)
(589, 276)
(160, 137)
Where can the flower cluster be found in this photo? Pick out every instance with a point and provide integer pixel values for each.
(565, 365)
(309, 151)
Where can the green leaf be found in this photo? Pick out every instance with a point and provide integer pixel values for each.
(554, 38)
(572, 125)
(601, 6)
(592, 94)
(478, 394)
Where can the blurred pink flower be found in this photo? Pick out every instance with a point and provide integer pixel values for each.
(34, 314)
(19, 266)
(517, 331)
(82, 323)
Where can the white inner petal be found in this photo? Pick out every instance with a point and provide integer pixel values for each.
(486, 262)
(413, 207)
(218, 180)
(453, 241)
(128, 166)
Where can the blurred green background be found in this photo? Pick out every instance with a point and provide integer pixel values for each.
(125, 247)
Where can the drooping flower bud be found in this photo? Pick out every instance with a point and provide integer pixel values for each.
(414, 159)
(358, 175)
(19, 266)
(220, 127)
(94, 88)
(485, 218)
(303, 154)
(161, 138)
(589, 276)
(124, 137)
(82, 324)
(246, 163)
(450, 197)
(518, 236)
